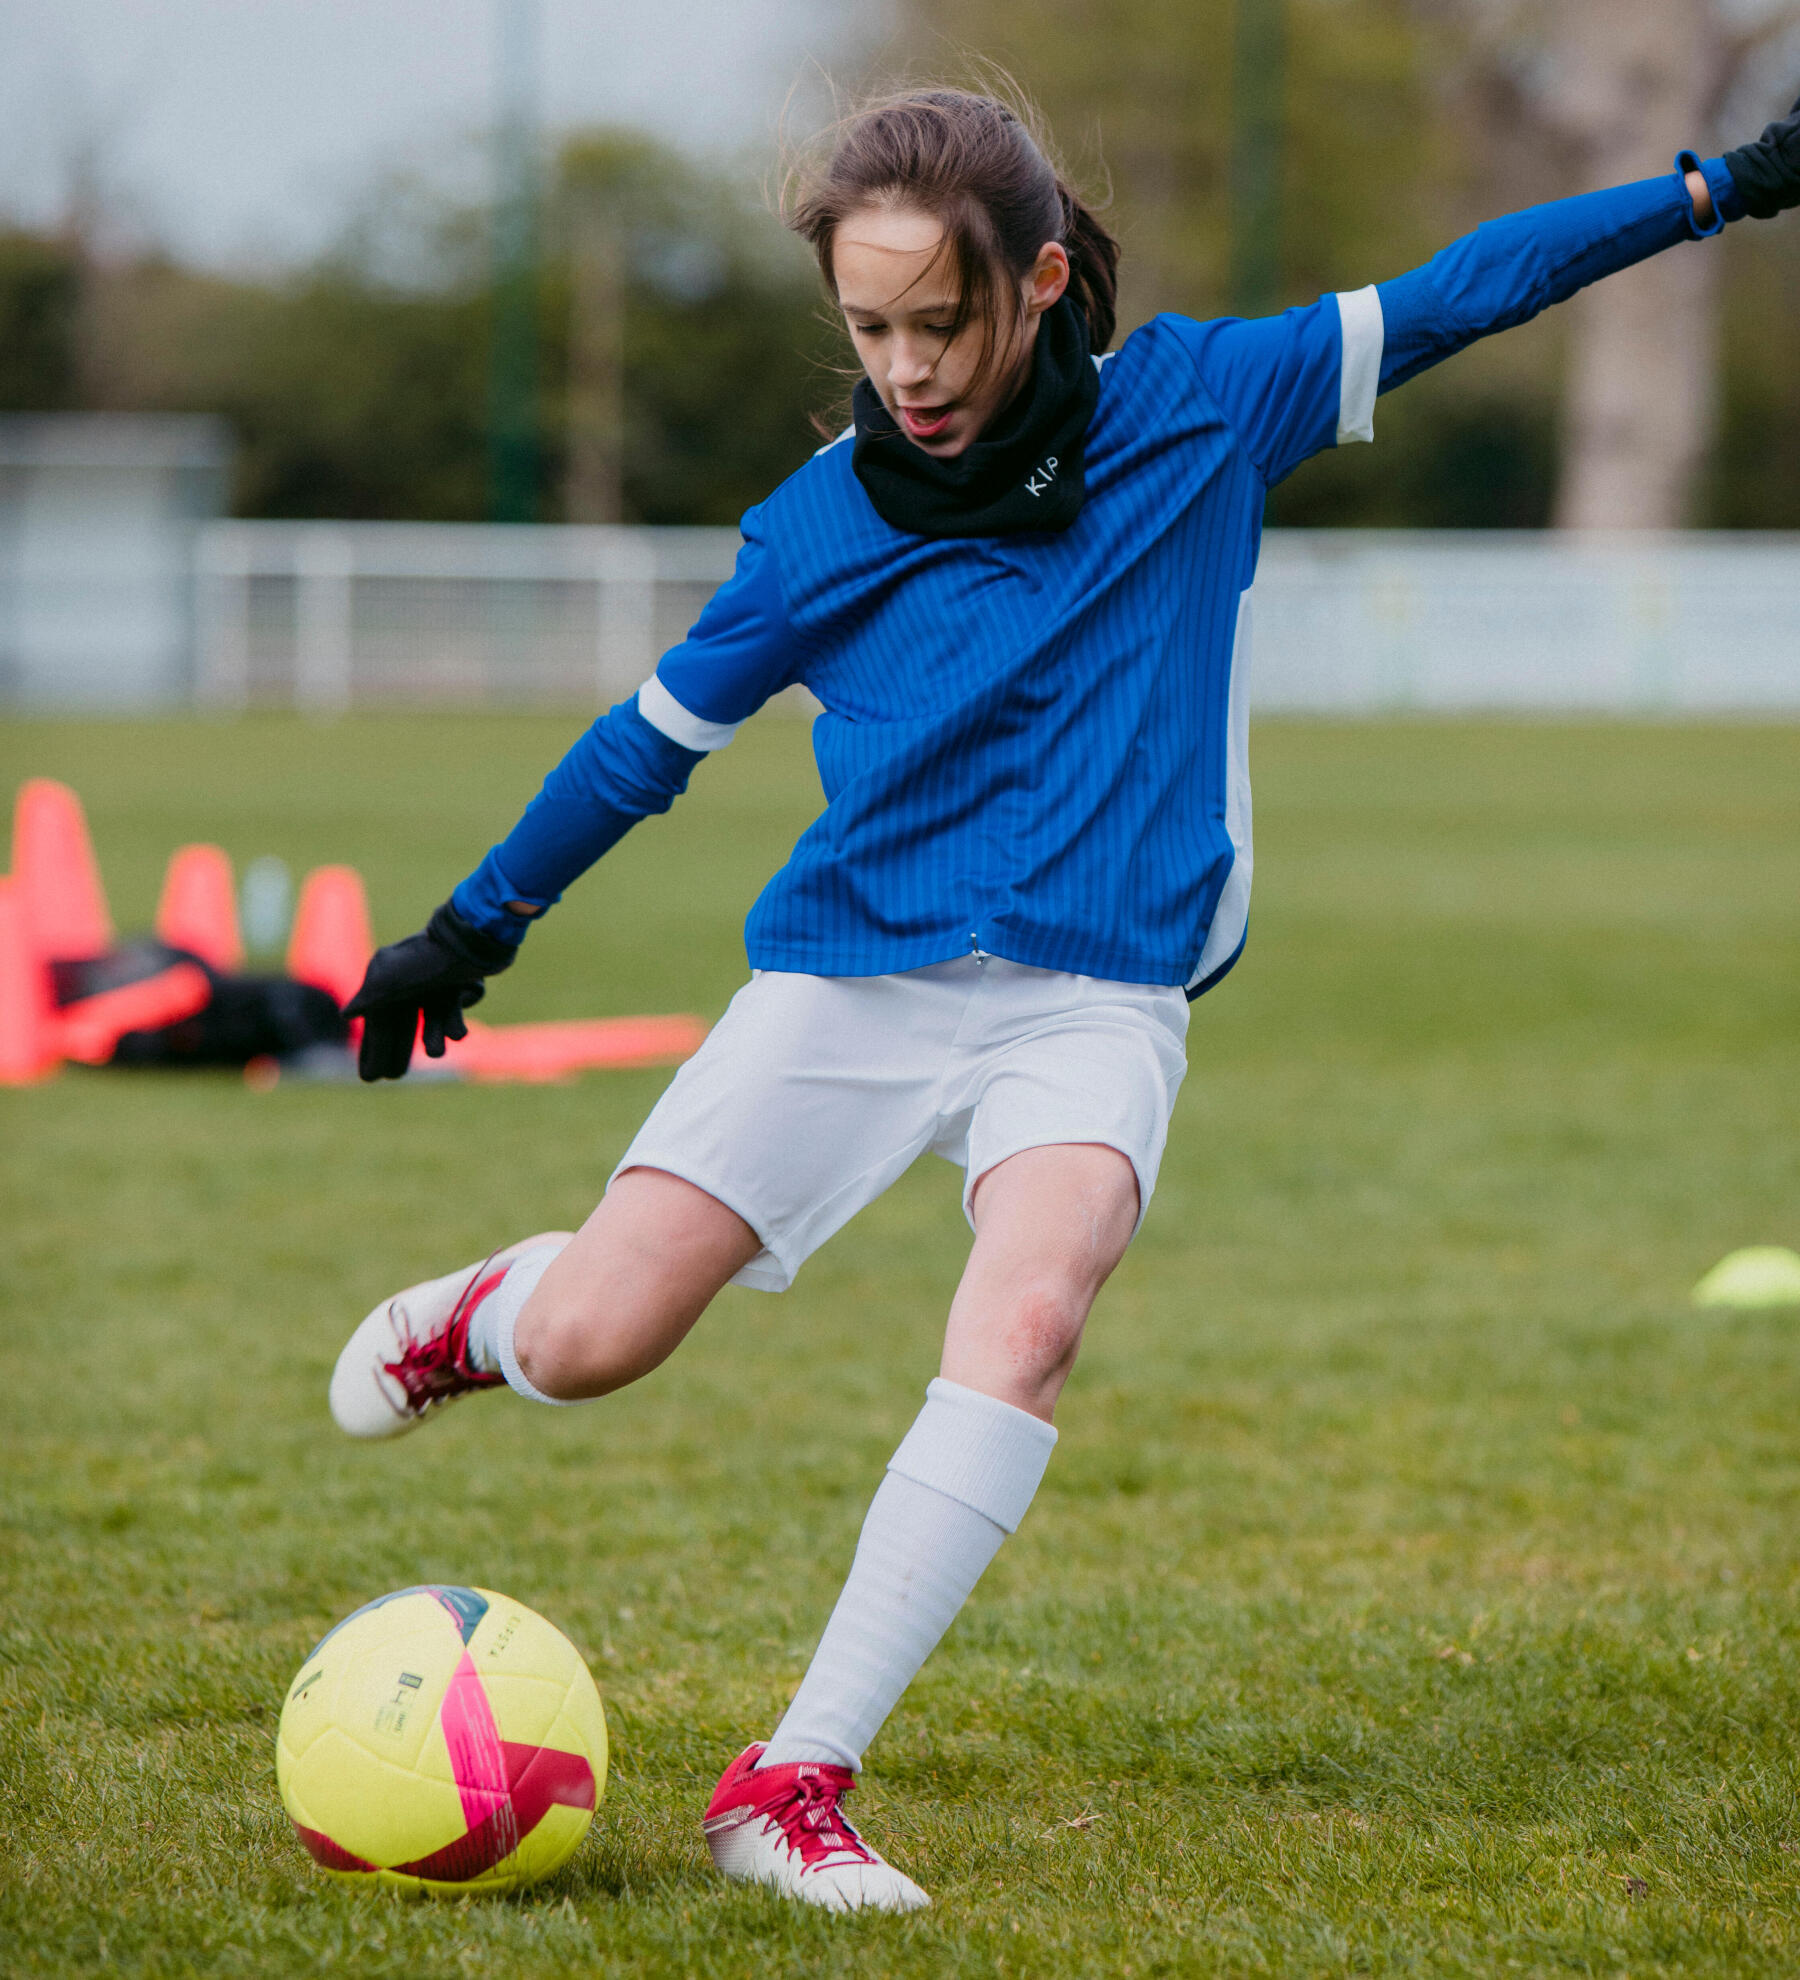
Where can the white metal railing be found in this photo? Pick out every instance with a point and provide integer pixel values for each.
(1355, 620)
(328, 616)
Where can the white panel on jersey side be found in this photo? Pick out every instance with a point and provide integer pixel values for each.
(1359, 311)
(1232, 916)
(662, 711)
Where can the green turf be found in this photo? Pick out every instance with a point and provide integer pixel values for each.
(1414, 1589)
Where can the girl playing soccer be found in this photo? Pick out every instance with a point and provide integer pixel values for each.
(1018, 586)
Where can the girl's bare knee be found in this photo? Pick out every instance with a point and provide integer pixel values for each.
(1043, 1328)
(543, 1336)
(572, 1341)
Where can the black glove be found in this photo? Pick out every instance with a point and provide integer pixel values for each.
(1767, 173)
(438, 972)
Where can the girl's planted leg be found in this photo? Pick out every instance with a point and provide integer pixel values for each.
(557, 1317)
(1051, 1223)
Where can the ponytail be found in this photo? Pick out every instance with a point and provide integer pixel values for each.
(1093, 267)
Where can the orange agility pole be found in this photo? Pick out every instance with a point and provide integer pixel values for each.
(28, 1049)
(198, 907)
(53, 862)
(536, 1053)
(91, 1029)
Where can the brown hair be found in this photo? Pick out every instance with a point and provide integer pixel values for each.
(980, 167)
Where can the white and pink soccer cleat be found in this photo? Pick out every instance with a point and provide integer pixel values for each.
(411, 1355)
(784, 1826)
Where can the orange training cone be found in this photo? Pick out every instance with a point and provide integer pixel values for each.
(331, 943)
(198, 908)
(53, 861)
(27, 1040)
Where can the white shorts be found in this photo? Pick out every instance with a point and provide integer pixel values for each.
(814, 1093)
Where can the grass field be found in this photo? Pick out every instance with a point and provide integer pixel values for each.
(1416, 1588)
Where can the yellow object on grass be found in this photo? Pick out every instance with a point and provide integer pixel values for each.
(1761, 1275)
(442, 1739)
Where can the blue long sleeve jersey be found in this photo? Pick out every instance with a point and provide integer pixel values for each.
(1035, 746)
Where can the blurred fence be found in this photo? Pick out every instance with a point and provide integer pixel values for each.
(331, 616)
(1348, 621)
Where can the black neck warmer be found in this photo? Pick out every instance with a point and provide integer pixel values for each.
(1024, 472)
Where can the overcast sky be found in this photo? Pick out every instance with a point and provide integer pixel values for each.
(242, 130)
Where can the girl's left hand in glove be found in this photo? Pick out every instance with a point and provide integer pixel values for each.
(434, 976)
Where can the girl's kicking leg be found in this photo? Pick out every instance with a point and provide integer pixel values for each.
(1051, 1223)
(557, 1317)
(620, 1297)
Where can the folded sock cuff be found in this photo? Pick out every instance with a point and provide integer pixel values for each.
(504, 1305)
(975, 1449)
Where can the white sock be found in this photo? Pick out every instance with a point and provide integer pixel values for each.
(491, 1328)
(956, 1487)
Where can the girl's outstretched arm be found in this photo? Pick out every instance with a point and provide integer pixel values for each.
(1510, 269)
(1294, 384)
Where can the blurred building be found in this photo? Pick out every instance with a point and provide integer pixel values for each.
(98, 520)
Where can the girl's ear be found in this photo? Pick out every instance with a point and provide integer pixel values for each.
(1048, 279)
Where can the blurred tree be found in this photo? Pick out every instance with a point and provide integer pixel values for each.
(349, 393)
(1258, 153)
(684, 345)
(40, 310)
(1407, 121)
(684, 332)
(1754, 476)
(358, 387)
(1139, 94)
(1373, 179)
(594, 396)
(514, 306)
(1587, 93)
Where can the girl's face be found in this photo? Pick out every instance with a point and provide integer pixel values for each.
(899, 300)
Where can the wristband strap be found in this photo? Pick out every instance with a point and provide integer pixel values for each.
(1690, 161)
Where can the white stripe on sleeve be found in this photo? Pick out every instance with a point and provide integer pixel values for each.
(662, 711)
(1359, 311)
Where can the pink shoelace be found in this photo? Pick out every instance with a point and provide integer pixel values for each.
(815, 1824)
(436, 1368)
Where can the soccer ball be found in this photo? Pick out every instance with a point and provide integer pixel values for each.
(445, 1740)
